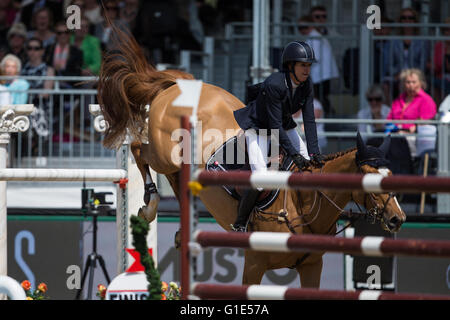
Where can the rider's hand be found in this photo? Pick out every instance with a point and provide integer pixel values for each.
(318, 159)
(300, 161)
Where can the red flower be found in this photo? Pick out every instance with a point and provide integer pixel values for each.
(26, 285)
(101, 291)
(42, 287)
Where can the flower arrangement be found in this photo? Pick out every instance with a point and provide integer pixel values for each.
(101, 292)
(171, 291)
(37, 294)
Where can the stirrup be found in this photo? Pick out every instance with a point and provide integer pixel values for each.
(238, 228)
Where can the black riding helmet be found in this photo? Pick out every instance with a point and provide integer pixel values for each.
(297, 51)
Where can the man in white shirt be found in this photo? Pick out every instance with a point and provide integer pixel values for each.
(326, 68)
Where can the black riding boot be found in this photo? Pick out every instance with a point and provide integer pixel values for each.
(246, 205)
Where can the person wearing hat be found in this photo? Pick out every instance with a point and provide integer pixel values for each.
(280, 96)
(17, 36)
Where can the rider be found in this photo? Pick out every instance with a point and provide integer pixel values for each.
(280, 96)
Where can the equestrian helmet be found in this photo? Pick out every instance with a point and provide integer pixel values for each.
(297, 51)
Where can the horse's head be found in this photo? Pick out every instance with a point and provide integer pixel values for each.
(381, 206)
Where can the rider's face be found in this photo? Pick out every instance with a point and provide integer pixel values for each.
(302, 71)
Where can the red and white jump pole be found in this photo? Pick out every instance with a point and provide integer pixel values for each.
(287, 242)
(370, 182)
(262, 292)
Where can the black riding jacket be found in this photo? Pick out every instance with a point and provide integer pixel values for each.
(273, 109)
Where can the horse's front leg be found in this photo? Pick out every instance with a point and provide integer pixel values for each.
(151, 196)
(310, 272)
(254, 268)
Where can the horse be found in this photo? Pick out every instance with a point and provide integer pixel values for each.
(128, 83)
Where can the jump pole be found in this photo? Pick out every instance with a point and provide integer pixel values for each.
(14, 118)
(267, 292)
(185, 213)
(371, 182)
(287, 242)
(189, 98)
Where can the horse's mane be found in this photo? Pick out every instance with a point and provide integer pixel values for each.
(338, 154)
(127, 83)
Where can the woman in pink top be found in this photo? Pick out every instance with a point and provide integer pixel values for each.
(412, 104)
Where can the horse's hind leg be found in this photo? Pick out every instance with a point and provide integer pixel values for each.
(254, 268)
(151, 197)
(174, 181)
(310, 272)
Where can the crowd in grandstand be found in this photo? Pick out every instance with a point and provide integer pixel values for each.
(410, 77)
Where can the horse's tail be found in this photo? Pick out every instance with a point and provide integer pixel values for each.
(127, 83)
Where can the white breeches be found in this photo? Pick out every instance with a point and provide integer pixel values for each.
(258, 147)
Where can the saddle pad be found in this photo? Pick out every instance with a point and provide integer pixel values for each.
(217, 163)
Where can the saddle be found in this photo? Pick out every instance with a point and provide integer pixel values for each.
(232, 155)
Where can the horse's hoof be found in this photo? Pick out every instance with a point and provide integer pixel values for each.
(147, 213)
(178, 239)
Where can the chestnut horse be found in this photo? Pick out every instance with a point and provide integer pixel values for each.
(127, 83)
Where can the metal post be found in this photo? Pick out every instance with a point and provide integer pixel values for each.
(4, 141)
(277, 19)
(185, 60)
(122, 211)
(364, 62)
(261, 21)
(443, 199)
(208, 49)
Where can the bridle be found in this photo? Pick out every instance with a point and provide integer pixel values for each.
(372, 215)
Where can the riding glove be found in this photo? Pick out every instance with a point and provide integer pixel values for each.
(300, 161)
(318, 159)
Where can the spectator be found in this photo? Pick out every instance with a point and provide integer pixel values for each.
(36, 66)
(65, 58)
(441, 79)
(319, 14)
(326, 68)
(90, 46)
(29, 10)
(5, 96)
(10, 11)
(11, 66)
(92, 11)
(404, 54)
(42, 27)
(376, 110)
(412, 104)
(17, 36)
(102, 30)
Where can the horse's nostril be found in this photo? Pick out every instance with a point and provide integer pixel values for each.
(394, 221)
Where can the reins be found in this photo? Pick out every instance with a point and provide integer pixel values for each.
(371, 215)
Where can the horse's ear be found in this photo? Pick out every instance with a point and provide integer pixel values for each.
(385, 145)
(360, 143)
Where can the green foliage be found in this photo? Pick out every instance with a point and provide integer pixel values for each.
(139, 231)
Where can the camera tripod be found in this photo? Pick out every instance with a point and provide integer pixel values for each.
(91, 261)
